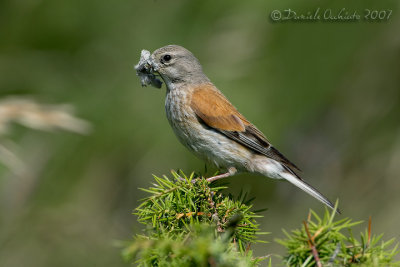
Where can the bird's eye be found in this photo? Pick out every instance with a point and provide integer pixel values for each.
(167, 58)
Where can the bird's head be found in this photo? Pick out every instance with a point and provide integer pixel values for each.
(177, 65)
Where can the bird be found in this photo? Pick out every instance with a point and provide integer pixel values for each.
(206, 122)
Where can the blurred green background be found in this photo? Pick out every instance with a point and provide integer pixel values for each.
(327, 94)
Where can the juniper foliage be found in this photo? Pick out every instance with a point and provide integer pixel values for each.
(191, 223)
(325, 242)
(201, 246)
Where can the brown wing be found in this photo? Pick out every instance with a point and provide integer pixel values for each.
(217, 112)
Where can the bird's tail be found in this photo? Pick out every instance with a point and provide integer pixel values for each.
(300, 183)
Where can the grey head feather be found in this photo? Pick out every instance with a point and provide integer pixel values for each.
(182, 69)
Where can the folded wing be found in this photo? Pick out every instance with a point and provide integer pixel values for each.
(218, 113)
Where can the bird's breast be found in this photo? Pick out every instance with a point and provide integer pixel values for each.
(185, 124)
(180, 116)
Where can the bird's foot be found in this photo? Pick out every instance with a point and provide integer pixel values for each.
(231, 171)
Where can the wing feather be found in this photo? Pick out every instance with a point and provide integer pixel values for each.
(212, 107)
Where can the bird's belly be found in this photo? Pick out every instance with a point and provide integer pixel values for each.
(206, 142)
(214, 147)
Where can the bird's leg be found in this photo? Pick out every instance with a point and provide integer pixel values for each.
(231, 171)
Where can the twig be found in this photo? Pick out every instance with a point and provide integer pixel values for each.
(215, 215)
(335, 253)
(369, 231)
(248, 248)
(312, 246)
